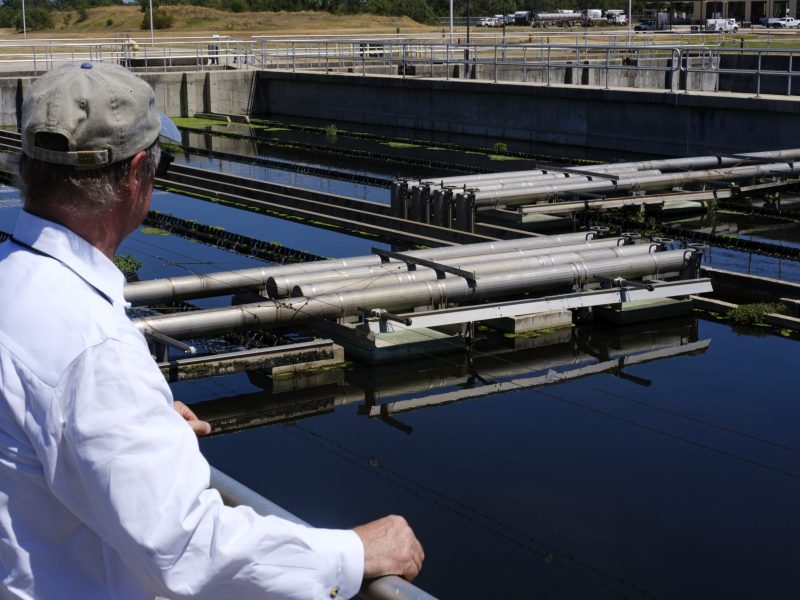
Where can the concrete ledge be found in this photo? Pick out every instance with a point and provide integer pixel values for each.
(749, 288)
(712, 304)
(643, 310)
(393, 346)
(535, 322)
(782, 321)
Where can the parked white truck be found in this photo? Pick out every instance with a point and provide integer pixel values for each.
(616, 17)
(722, 25)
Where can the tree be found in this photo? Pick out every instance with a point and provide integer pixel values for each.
(161, 19)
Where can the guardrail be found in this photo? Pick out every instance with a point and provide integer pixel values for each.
(622, 60)
(235, 493)
(686, 68)
(163, 54)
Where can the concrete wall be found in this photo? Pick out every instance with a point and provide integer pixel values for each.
(653, 122)
(177, 94)
(657, 122)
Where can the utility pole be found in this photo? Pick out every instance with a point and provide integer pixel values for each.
(152, 37)
(469, 18)
(451, 21)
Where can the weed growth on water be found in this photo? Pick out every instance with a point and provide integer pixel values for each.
(153, 231)
(331, 134)
(753, 314)
(129, 265)
(401, 145)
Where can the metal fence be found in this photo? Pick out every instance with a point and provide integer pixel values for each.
(649, 65)
(700, 62)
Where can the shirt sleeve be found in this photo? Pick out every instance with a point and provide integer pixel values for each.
(130, 468)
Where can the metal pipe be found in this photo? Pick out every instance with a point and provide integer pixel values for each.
(235, 493)
(283, 285)
(228, 282)
(486, 178)
(686, 163)
(428, 293)
(482, 269)
(517, 184)
(513, 197)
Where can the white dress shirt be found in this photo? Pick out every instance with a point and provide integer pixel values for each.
(103, 490)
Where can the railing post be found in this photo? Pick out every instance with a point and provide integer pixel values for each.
(495, 63)
(549, 50)
(758, 76)
(789, 89)
(525, 64)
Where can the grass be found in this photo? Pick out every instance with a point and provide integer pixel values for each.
(121, 21)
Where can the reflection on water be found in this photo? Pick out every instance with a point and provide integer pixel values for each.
(635, 463)
(494, 365)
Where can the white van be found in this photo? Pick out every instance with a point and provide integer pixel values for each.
(722, 25)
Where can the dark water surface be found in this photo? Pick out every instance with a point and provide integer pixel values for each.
(674, 475)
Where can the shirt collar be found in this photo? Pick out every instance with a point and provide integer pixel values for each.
(77, 254)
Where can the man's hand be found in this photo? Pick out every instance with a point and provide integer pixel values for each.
(390, 548)
(199, 427)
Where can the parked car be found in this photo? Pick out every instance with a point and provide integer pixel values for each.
(645, 26)
(486, 22)
(785, 22)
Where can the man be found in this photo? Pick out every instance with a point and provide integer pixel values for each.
(103, 491)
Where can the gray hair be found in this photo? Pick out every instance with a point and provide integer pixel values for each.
(44, 185)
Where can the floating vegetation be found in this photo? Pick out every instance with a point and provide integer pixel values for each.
(753, 314)
(401, 145)
(502, 157)
(153, 231)
(500, 148)
(129, 265)
(331, 134)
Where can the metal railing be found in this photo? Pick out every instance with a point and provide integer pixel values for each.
(651, 65)
(235, 493)
(163, 54)
(704, 63)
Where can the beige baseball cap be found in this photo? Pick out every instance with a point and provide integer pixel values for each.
(104, 111)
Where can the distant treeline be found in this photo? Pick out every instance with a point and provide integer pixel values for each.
(39, 13)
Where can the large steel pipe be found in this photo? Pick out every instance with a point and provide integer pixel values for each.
(669, 164)
(280, 286)
(482, 269)
(429, 293)
(546, 191)
(521, 184)
(508, 178)
(228, 282)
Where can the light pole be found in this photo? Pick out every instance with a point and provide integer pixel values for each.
(151, 22)
(630, 15)
(451, 21)
(24, 27)
(469, 18)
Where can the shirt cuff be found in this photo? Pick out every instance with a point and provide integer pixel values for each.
(346, 549)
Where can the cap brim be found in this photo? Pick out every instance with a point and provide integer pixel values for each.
(168, 129)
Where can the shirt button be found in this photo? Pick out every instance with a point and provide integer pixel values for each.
(334, 591)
